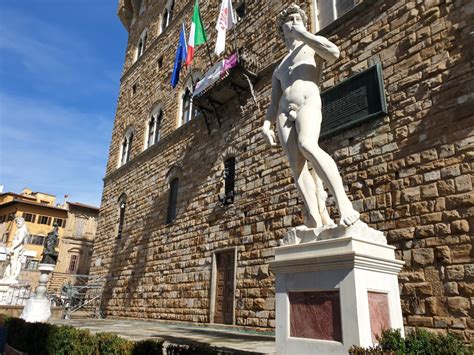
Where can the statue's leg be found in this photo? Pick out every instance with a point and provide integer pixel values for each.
(299, 166)
(308, 125)
(16, 267)
(321, 196)
(8, 271)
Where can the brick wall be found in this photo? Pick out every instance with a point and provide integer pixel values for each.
(409, 174)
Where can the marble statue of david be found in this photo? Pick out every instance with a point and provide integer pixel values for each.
(16, 252)
(295, 110)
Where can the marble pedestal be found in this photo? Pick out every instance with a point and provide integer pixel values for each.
(335, 293)
(38, 307)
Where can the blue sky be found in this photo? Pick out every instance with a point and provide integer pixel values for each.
(60, 65)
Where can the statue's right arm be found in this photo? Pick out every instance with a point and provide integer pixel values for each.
(272, 111)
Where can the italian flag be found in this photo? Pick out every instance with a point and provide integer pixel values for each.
(197, 35)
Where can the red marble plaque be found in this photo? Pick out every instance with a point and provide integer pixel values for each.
(315, 315)
(379, 313)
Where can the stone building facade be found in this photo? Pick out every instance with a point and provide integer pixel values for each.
(408, 172)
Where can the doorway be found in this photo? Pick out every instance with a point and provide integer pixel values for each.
(224, 304)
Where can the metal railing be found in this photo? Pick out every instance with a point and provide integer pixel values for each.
(82, 292)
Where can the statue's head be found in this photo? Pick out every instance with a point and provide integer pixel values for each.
(283, 16)
(19, 221)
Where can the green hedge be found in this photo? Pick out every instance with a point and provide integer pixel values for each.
(416, 342)
(43, 338)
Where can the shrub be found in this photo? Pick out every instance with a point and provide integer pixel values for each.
(66, 340)
(16, 331)
(43, 338)
(391, 340)
(37, 340)
(111, 344)
(416, 342)
(148, 347)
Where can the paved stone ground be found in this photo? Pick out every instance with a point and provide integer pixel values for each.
(177, 333)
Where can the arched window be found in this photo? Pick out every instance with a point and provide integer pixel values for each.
(126, 146)
(141, 46)
(172, 200)
(187, 103)
(187, 111)
(122, 207)
(167, 15)
(153, 127)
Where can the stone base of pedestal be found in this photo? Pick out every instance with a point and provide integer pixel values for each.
(36, 310)
(14, 294)
(335, 293)
(38, 307)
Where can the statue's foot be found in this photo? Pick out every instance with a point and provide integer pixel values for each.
(327, 221)
(303, 227)
(349, 217)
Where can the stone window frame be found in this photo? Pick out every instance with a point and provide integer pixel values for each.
(77, 262)
(122, 208)
(166, 16)
(126, 147)
(331, 11)
(173, 174)
(188, 87)
(156, 115)
(213, 284)
(141, 44)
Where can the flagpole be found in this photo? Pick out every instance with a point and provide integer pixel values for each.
(209, 53)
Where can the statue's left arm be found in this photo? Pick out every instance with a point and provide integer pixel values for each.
(323, 47)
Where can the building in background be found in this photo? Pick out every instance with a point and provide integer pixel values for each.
(40, 212)
(76, 222)
(194, 202)
(75, 248)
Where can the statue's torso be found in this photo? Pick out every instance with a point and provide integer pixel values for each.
(298, 74)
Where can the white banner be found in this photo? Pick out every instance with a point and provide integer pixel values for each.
(225, 21)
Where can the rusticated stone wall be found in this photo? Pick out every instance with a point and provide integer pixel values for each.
(409, 173)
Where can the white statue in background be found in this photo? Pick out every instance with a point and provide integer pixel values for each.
(295, 109)
(16, 252)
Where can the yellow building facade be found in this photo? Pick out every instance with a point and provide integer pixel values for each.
(76, 228)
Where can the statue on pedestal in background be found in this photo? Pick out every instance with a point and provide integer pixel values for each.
(50, 256)
(295, 109)
(38, 307)
(16, 253)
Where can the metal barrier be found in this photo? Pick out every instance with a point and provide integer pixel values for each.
(81, 292)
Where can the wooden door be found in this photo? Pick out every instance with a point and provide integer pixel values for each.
(224, 309)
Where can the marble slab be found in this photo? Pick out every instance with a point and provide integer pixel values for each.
(379, 313)
(315, 315)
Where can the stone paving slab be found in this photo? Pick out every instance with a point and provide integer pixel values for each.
(177, 333)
